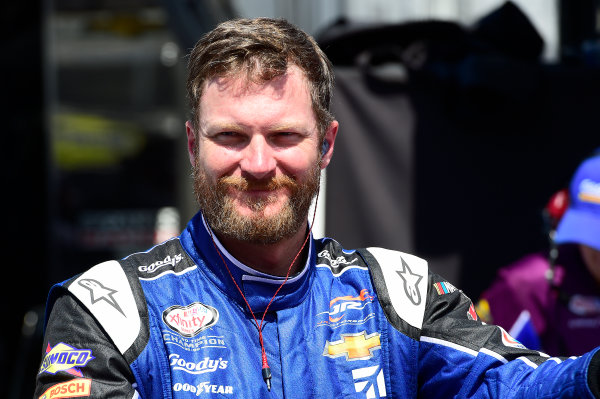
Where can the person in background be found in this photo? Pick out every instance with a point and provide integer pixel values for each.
(551, 301)
(245, 302)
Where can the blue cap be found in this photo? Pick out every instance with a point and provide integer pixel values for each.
(581, 222)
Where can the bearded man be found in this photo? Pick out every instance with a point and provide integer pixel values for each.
(245, 303)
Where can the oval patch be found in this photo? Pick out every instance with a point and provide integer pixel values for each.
(191, 319)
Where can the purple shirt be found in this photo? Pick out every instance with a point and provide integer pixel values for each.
(566, 318)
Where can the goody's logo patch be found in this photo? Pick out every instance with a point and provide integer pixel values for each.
(206, 365)
(76, 388)
(191, 319)
(168, 261)
(63, 357)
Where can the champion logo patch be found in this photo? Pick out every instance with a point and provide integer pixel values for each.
(191, 319)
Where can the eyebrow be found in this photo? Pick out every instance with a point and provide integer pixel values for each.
(232, 126)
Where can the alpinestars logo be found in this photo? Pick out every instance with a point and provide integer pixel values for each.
(370, 381)
(98, 292)
(411, 283)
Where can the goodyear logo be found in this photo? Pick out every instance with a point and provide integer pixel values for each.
(63, 357)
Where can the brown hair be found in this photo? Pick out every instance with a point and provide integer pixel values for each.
(262, 48)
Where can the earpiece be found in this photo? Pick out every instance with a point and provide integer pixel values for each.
(324, 147)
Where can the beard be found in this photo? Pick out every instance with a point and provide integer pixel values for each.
(219, 207)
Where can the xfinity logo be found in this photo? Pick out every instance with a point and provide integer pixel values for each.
(205, 366)
(191, 319)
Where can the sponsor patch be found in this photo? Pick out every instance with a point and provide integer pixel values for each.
(98, 292)
(76, 388)
(359, 346)
(191, 319)
(203, 388)
(63, 357)
(589, 191)
(471, 313)
(411, 283)
(193, 344)
(340, 260)
(207, 365)
(369, 381)
(444, 287)
(338, 307)
(507, 340)
(584, 305)
(168, 261)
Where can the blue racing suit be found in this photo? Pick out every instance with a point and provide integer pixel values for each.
(369, 323)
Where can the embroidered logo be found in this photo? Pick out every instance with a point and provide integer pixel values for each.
(98, 292)
(63, 357)
(191, 319)
(444, 287)
(411, 281)
(76, 388)
(370, 381)
(358, 346)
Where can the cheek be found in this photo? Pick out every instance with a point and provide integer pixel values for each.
(298, 161)
(216, 161)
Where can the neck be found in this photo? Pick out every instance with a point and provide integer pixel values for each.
(274, 259)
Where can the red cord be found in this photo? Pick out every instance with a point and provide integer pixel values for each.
(266, 370)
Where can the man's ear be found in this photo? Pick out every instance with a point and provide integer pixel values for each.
(330, 136)
(191, 142)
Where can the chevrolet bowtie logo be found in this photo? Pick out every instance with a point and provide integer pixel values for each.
(359, 346)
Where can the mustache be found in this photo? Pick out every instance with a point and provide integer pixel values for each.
(245, 184)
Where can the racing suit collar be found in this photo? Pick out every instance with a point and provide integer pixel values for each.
(258, 287)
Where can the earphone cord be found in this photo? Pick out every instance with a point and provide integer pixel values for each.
(266, 370)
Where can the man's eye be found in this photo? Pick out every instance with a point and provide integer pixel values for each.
(227, 137)
(285, 138)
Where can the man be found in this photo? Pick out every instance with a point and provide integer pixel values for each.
(552, 301)
(244, 303)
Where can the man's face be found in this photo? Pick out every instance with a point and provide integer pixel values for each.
(256, 159)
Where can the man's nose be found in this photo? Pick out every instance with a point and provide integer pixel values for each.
(258, 158)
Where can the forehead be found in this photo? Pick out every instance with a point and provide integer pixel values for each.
(283, 97)
(293, 81)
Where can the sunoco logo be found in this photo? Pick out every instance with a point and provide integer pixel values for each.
(64, 358)
(191, 319)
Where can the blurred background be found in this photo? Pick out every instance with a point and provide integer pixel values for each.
(459, 119)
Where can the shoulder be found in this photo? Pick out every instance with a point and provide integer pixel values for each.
(166, 258)
(399, 279)
(111, 292)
